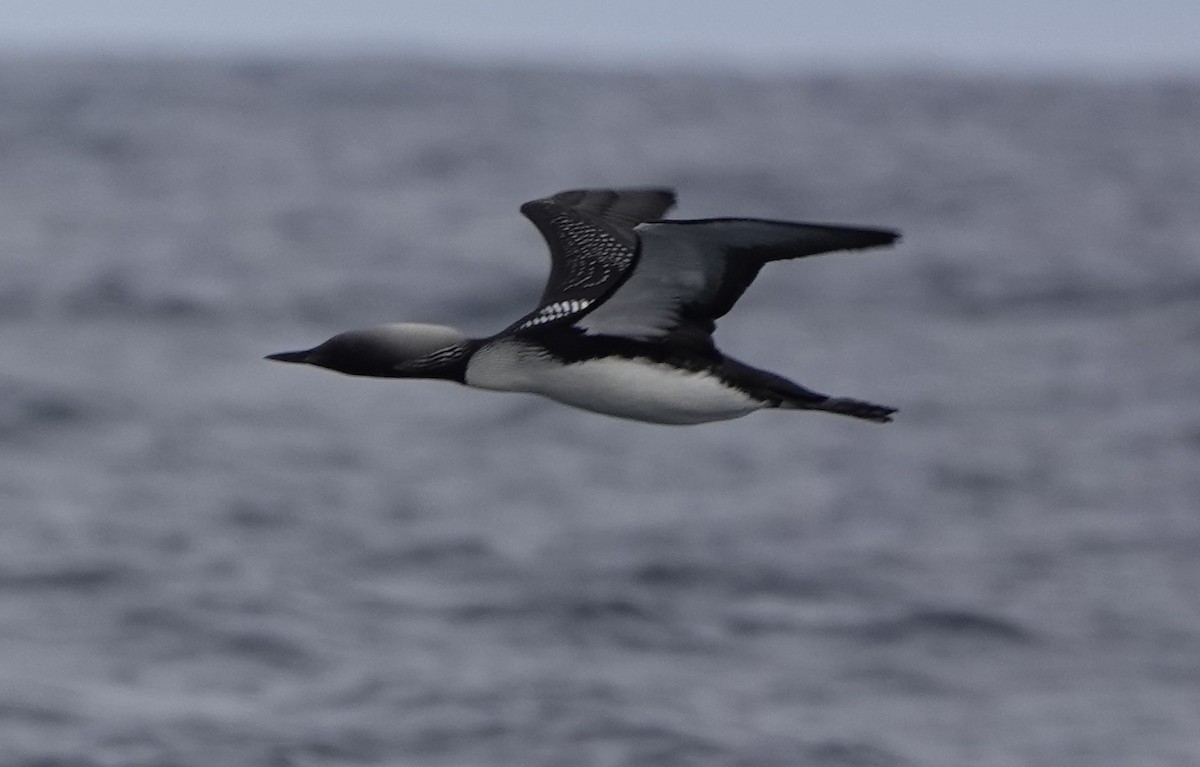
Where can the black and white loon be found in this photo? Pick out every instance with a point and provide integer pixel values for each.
(624, 326)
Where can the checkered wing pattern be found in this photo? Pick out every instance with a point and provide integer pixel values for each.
(592, 245)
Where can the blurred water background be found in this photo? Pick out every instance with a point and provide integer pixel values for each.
(208, 559)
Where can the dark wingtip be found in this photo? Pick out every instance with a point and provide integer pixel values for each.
(858, 237)
(624, 207)
(874, 238)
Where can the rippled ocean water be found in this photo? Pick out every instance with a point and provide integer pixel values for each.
(208, 559)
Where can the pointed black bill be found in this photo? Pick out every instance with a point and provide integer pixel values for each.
(302, 356)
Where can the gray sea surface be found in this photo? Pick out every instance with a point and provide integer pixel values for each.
(209, 559)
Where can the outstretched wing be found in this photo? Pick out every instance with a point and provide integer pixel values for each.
(592, 245)
(690, 273)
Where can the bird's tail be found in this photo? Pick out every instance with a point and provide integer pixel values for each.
(799, 398)
(783, 393)
(856, 408)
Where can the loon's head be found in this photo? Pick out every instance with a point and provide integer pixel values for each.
(399, 350)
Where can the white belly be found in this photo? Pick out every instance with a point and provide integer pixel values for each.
(625, 388)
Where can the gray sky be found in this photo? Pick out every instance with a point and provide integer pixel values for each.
(1040, 35)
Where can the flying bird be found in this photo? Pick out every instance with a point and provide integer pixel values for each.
(624, 325)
